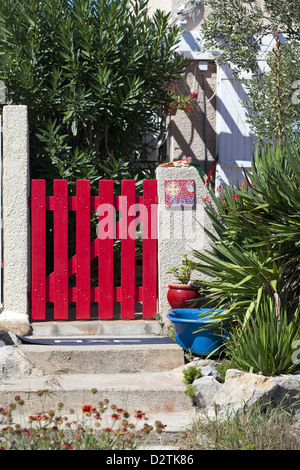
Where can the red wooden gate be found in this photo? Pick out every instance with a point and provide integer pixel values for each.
(55, 287)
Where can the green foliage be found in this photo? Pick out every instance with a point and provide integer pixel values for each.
(190, 374)
(184, 272)
(270, 109)
(255, 244)
(222, 368)
(93, 74)
(236, 30)
(255, 251)
(266, 342)
(190, 390)
(259, 427)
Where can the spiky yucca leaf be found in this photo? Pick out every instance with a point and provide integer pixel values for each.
(265, 344)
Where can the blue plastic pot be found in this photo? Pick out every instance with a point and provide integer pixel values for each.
(186, 321)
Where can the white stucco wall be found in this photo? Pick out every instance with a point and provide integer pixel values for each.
(180, 231)
(15, 184)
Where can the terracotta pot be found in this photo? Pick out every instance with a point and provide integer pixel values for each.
(171, 109)
(179, 295)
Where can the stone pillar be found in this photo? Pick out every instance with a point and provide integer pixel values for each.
(180, 230)
(14, 317)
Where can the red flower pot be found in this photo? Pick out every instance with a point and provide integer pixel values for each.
(179, 295)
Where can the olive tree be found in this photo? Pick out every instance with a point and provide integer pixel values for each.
(237, 30)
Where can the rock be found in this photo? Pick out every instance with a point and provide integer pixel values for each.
(14, 365)
(207, 388)
(288, 390)
(8, 339)
(210, 371)
(242, 390)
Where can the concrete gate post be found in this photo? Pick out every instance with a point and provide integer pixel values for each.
(180, 229)
(15, 191)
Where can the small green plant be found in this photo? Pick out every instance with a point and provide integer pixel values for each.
(190, 390)
(222, 368)
(190, 374)
(184, 272)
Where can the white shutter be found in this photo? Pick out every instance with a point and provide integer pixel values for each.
(235, 140)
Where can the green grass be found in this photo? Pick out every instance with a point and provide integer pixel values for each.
(258, 428)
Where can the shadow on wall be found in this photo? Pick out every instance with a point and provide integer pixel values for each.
(195, 135)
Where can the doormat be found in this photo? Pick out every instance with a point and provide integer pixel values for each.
(96, 341)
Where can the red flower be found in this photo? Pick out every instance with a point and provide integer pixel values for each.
(195, 95)
(139, 414)
(235, 197)
(66, 446)
(87, 409)
(189, 108)
(115, 416)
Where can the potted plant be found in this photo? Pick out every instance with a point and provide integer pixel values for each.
(178, 101)
(185, 293)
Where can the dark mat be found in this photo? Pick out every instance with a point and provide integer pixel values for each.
(96, 341)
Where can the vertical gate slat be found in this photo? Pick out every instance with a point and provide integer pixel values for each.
(61, 273)
(149, 249)
(38, 249)
(83, 250)
(127, 251)
(105, 249)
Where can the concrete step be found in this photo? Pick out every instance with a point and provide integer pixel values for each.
(115, 327)
(159, 395)
(114, 357)
(144, 376)
(152, 393)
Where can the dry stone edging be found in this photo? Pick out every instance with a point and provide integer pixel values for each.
(241, 390)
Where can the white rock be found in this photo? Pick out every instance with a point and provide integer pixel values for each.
(207, 388)
(14, 365)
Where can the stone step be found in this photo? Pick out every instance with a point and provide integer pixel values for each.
(83, 328)
(152, 393)
(111, 357)
(144, 376)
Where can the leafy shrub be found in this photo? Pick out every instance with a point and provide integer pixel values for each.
(93, 75)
